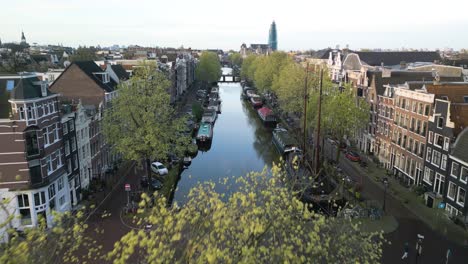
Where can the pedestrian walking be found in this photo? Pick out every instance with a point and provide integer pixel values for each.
(406, 251)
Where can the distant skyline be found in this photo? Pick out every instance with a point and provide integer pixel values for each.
(203, 24)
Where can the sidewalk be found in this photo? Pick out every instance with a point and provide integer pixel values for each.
(434, 218)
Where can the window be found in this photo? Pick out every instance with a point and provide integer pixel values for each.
(62, 200)
(69, 166)
(60, 184)
(426, 110)
(51, 131)
(36, 173)
(464, 174)
(443, 163)
(75, 161)
(39, 198)
(414, 106)
(461, 196)
(436, 156)
(421, 150)
(24, 210)
(440, 122)
(452, 191)
(428, 175)
(30, 113)
(56, 130)
(49, 164)
(465, 99)
(429, 138)
(72, 126)
(65, 128)
(32, 147)
(21, 113)
(428, 154)
(73, 143)
(455, 170)
(52, 196)
(67, 147)
(446, 143)
(10, 85)
(59, 157)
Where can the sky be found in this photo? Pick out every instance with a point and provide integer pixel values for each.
(203, 24)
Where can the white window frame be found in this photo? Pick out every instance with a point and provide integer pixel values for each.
(443, 162)
(65, 128)
(443, 120)
(60, 184)
(50, 168)
(59, 157)
(428, 154)
(67, 148)
(73, 143)
(436, 137)
(429, 137)
(458, 196)
(433, 161)
(463, 168)
(451, 169)
(448, 191)
(427, 175)
(446, 143)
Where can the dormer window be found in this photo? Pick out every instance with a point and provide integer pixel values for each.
(105, 78)
(44, 89)
(440, 122)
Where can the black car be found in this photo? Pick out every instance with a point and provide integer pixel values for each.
(156, 184)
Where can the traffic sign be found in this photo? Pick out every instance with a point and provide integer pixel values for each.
(127, 187)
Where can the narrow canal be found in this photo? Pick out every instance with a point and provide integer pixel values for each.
(240, 144)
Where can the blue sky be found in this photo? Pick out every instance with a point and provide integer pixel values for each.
(223, 24)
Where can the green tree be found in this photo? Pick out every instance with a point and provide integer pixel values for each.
(84, 54)
(289, 87)
(141, 124)
(262, 222)
(209, 68)
(235, 59)
(248, 67)
(267, 68)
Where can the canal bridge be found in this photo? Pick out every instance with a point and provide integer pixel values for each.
(229, 78)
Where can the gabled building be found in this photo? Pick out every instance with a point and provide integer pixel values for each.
(86, 82)
(32, 168)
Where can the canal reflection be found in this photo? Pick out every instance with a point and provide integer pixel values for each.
(241, 144)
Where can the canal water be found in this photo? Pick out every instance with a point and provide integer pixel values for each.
(240, 144)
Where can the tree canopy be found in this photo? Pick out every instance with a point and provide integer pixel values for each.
(141, 123)
(262, 222)
(208, 68)
(236, 59)
(83, 53)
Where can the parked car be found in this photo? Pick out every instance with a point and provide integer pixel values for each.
(159, 168)
(156, 184)
(353, 156)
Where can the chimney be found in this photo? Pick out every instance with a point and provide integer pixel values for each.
(402, 65)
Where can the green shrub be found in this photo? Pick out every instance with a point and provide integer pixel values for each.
(197, 111)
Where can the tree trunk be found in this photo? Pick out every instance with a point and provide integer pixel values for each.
(148, 171)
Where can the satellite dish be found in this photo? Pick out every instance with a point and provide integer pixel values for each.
(66, 63)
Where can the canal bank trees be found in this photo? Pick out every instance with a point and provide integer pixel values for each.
(209, 68)
(141, 124)
(261, 222)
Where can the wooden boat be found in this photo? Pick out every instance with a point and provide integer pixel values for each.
(205, 132)
(214, 106)
(284, 142)
(250, 93)
(209, 116)
(256, 101)
(266, 115)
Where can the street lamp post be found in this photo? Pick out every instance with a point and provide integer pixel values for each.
(419, 247)
(385, 182)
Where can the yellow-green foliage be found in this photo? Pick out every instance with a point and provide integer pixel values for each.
(262, 222)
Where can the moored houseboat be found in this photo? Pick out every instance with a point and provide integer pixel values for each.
(205, 132)
(284, 142)
(256, 101)
(267, 116)
(209, 116)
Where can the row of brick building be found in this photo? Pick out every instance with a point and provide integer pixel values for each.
(417, 122)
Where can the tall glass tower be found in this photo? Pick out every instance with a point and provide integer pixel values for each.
(272, 41)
